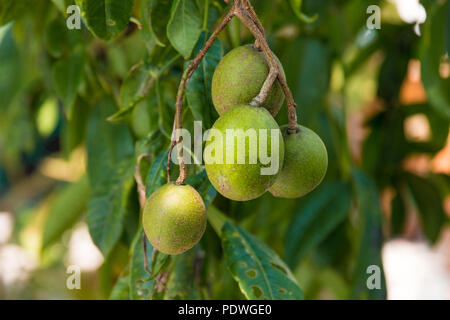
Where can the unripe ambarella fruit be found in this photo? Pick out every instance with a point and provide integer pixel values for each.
(244, 152)
(174, 218)
(239, 77)
(305, 164)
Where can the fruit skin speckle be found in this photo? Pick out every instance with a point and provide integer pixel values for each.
(238, 79)
(242, 182)
(305, 164)
(174, 218)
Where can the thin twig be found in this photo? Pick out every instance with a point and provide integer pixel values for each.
(139, 181)
(249, 18)
(245, 12)
(178, 122)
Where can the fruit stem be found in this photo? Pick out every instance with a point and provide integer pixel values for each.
(245, 12)
(248, 16)
(178, 122)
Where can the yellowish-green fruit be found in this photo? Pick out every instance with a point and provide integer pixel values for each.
(174, 218)
(238, 79)
(241, 171)
(305, 164)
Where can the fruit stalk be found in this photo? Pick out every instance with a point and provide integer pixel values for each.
(178, 123)
(245, 12)
(249, 18)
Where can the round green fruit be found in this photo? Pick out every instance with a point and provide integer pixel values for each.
(238, 79)
(305, 164)
(174, 218)
(244, 153)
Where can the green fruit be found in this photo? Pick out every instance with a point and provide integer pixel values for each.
(238, 79)
(249, 175)
(174, 218)
(305, 164)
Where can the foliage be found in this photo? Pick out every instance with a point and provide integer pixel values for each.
(116, 82)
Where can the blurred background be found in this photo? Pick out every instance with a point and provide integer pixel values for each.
(379, 98)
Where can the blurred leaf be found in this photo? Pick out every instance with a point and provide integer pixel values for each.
(157, 175)
(106, 18)
(67, 76)
(141, 283)
(111, 174)
(74, 129)
(12, 9)
(121, 290)
(308, 75)
(62, 5)
(261, 274)
(198, 91)
(11, 67)
(429, 204)
(398, 215)
(154, 20)
(370, 238)
(133, 90)
(438, 125)
(59, 40)
(184, 27)
(136, 85)
(296, 7)
(165, 119)
(183, 282)
(432, 51)
(66, 208)
(202, 184)
(324, 211)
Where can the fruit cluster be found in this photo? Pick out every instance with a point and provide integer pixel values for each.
(174, 216)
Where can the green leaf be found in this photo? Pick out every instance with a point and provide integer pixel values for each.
(59, 40)
(136, 85)
(155, 20)
(61, 5)
(141, 283)
(398, 215)
(11, 67)
(67, 76)
(370, 238)
(429, 204)
(198, 91)
(183, 282)
(111, 169)
(315, 220)
(432, 51)
(12, 9)
(157, 175)
(261, 274)
(184, 26)
(74, 129)
(106, 18)
(308, 75)
(121, 290)
(202, 184)
(134, 89)
(65, 210)
(296, 7)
